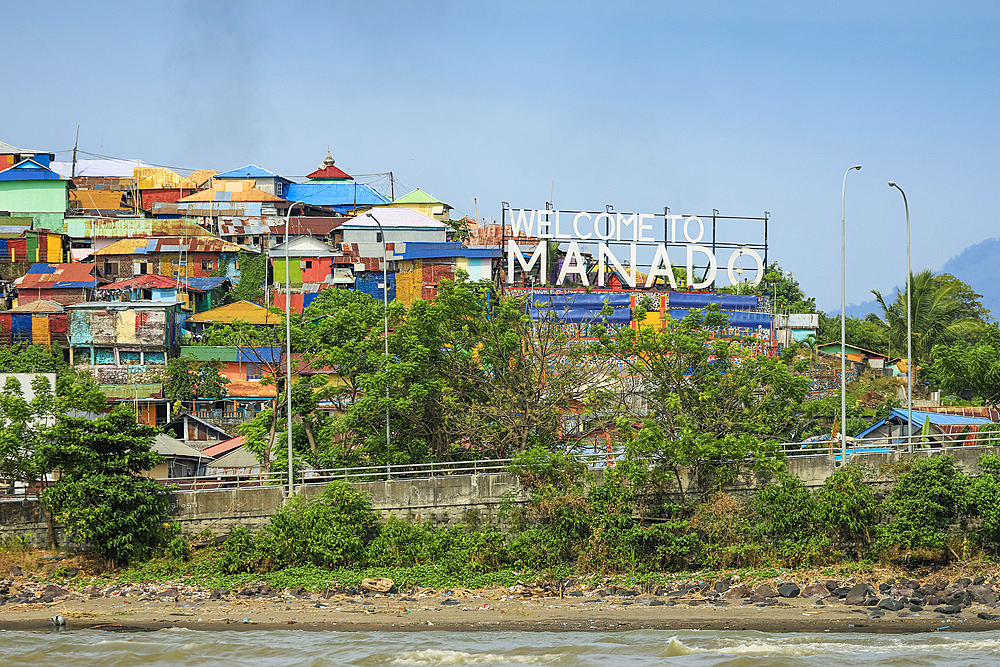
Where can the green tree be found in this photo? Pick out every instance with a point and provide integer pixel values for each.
(188, 379)
(253, 275)
(944, 311)
(518, 383)
(964, 368)
(241, 334)
(780, 285)
(706, 405)
(100, 496)
(868, 334)
(930, 498)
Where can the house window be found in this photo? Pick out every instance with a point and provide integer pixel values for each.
(140, 269)
(254, 371)
(110, 268)
(309, 264)
(207, 265)
(378, 237)
(277, 188)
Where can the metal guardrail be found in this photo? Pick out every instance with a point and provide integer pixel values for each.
(828, 448)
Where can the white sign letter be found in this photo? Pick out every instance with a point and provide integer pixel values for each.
(604, 253)
(573, 263)
(732, 265)
(701, 229)
(642, 227)
(713, 266)
(520, 223)
(576, 226)
(655, 270)
(538, 257)
(597, 226)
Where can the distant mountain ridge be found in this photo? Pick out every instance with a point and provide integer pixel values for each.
(978, 266)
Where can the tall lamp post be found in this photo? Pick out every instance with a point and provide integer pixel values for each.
(288, 343)
(909, 327)
(385, 302)
(843, 317)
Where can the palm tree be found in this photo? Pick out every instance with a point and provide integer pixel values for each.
(812, 343)
(940, 314)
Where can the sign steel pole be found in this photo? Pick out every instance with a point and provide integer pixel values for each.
(909, 329)
(843, 318)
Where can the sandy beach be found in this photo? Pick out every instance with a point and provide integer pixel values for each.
(135, 609)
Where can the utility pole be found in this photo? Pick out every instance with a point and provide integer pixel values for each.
(75, 144)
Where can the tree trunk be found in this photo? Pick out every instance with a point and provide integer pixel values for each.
(309, 436)
(270, 439)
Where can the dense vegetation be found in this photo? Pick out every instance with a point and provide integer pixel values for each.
(694, 413)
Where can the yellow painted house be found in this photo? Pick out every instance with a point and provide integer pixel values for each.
(420, 201)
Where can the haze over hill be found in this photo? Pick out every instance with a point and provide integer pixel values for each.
(976, 266)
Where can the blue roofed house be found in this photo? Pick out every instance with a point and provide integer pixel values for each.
(332, 189)
(262, 179)
(938, 429)
(31, 189)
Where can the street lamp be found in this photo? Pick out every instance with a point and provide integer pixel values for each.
(909, 324)
(288, 342)
(843, 317)
(385, 302)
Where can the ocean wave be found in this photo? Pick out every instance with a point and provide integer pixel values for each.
(434, 657)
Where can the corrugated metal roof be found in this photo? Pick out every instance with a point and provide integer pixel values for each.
(899, 415)
(204, 284)
(418, 250)
(165, 244)
(220, 193)
(330, 172)
(158, 178)
(125, 392)
(249, 171)
(245, 389)
(494, 235)
(221, 448)
(153, 281)
(240, 457)
(59, 276)
(395, 217)
(201, 176)
(40, 306)
(418, 196)
(112, 167)
(29, 170)
(99, 200)
(342, 196)
(303, 246)
(169, 446)
(208, 353)
(308, 225)
(123, 228)
(247, 311)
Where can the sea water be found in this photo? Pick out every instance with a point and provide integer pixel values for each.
(641, 647)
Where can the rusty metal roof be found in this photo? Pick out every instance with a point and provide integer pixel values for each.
(228, 191)
(122, 228)
(165, 244)
(59, 276)
(158, 178)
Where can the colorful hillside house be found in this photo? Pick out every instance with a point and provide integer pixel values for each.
(32, 189)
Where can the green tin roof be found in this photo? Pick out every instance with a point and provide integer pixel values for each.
(209, 353)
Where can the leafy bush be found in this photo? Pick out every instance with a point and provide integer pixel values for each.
(846, 510)
(926, 501)
(985, 499)
(329, 530)
(782, 514)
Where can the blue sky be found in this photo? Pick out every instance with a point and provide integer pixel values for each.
(742, 107)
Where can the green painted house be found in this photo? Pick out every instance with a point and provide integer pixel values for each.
(31, 189)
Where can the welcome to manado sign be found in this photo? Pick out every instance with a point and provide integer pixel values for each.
(621, 229)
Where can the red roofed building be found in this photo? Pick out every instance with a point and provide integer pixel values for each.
(62, 283)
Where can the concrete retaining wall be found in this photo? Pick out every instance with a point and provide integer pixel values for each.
(442, 500)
